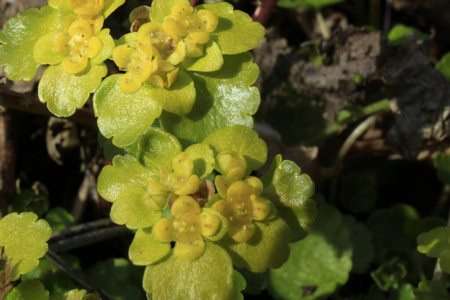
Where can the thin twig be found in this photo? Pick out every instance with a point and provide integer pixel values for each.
(76, 275)
(81, 228)
(264, 11)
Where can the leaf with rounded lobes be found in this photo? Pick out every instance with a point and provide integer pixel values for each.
(203, 157)
(431, 290)
(157, 148)
(317, 264)
(145, 250)
(224, 98)
(24, 239)
(80, 295)
(179, 98)
(268, 177)
(110, 150)
(235, 32)
(64, 92)
(124, 116)
(107, 48)
(435, 243)
(267, 248)
(291, 191)
(208, 277)
(242, 140)
(211, 61)
(239, 285)
(125, 171)
(30, 289)
(390, 274)
(162, 8)
(129, 209)
(18, 37)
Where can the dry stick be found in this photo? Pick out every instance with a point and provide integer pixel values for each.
(76, 275)
(349, 142)
(264, 11)
(32, 105)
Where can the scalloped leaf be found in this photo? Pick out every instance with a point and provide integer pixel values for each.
(30, 289)
(321, 261)
(25, 240)
(125, 171)
(179, 98)
(431, 290)
(162, 8)
(239, 285)
(211, 61)
(235, 32)
(390, 274)
(19, 36)
(157, 148)
(242, 140)
(435, 243)
(203, 157)
(64, 92)
(363, 248)
(145, 250)
(291, 191)
(267, 248)
(80, 295)
(59, 218)
(124, 117)
(208, 277)
(224, 98)
(110, 150)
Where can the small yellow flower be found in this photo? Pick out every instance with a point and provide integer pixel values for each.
(87, 8)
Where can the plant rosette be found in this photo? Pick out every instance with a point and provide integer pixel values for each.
(67, 36)
(182, 59)
(188, 227)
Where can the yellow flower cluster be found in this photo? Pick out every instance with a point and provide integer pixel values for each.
(158, 47)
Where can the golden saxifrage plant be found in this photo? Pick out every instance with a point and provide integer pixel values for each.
(176, 122)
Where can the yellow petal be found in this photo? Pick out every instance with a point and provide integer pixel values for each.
(256, 184)
(209, 18)
(61, 43)
(122, 55)
(190, 186)
(182, 10)
(261, 208)
(183, 164)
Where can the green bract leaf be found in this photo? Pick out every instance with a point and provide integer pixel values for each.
(239, 284)
(399, 34)
(235, 32)
(108, 46)
(156, 149)
(363, 248)
(162, 8)
(267, 248)
(24, 240)
(311, 4)
(242, 140)
(19, 36)
(224, 98)
(389, 274)
(211, 61)
(27, 290)
(431, 290)
(145, 250)
(110, 150)
(124, 116)
(59, 219)
(125, 171)
(64, 92)
(291, 192)
(442, 162)
(80, 295)
(208, 277)
(436, 244)
(177, 99)
(121, 279)
(320, 262)
(203, 157)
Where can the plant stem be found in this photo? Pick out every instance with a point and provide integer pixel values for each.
(322, 25)
(76, 275)
(264, 11)
(81, 228)
(32, 105)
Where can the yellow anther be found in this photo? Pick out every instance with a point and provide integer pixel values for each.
(163, 230)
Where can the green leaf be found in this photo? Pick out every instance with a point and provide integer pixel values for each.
(43, 51)
(256, 282)
(224, 98)
(441, 161)
(318, 263)
(431, 290)
(19, 36)
(162, 8)
(110, 150)
(63, 6)
(363, 248)
(157, 148)
(436, 244)
(239, 284)
(242, 140)
(211, 61)
(203, 157)
(118, 277)
(24, 239)
(27, 290)
(389, 274)
(34, 199)
(399, 34)
(268, 177)
(64, 92)
(179, 98)
(125, 171)
(291, 191)
(444, 66)
(145, 250)
(267, 248)
(310, 4)
(111, 6)
(208, 277)
(59, 219)
(124, 116)
(80, 295)
(235, 32)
